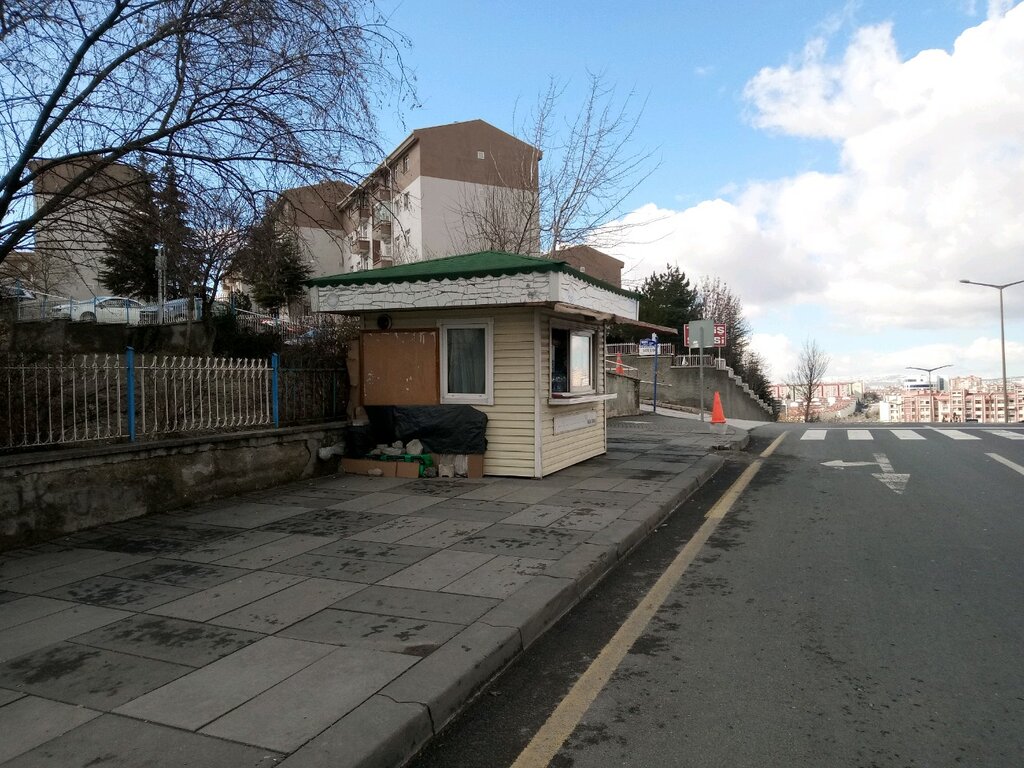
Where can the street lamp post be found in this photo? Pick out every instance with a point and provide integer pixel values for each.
(931, 409)
(1002, 338)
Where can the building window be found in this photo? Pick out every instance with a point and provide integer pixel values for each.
(481, 155)
(405, 164)
(572, 362)
(405, 201)
(467, 362)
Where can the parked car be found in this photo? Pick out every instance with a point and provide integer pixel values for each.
(101, 309)
(16, 292)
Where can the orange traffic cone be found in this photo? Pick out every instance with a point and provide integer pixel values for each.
(618, 364)
(717, 416)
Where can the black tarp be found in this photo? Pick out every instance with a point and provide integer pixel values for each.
(441, 428)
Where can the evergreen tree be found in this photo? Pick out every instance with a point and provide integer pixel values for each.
(668, 299)
(272, 263)
(157, 220)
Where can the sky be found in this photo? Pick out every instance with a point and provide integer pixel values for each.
(840, 165)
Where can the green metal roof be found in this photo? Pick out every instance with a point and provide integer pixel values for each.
(483, 264)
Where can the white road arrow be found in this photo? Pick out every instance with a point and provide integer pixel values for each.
(894, 481)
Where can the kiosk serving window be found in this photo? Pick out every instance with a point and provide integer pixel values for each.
(572, 362)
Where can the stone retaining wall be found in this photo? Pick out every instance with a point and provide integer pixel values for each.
(628, 390)
(681, 386)
(47, 493)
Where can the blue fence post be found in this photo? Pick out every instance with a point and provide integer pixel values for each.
(129, 357)
(275, 365)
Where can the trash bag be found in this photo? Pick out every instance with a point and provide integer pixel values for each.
(441, 428)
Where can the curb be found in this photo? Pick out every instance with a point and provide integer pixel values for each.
(417, 706)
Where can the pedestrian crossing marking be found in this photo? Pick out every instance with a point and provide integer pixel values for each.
(1008, 434)
(907, 434)
(910, 434)
(956, 434)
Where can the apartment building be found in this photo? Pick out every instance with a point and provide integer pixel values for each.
(446, 190)
(956, 406)
(70, 243)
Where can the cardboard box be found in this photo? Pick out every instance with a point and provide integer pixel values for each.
(363, 467)
(406, 468)
(475, 468)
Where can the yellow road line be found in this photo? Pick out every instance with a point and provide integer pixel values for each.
(567, 715)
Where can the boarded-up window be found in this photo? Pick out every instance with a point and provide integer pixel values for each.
(400, 368)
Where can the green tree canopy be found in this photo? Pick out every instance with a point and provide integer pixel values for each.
(667, 298)
(272, 263)
(155, 222)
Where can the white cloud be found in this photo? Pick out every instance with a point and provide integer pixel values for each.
(931, 164)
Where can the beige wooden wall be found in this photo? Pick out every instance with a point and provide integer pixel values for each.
(510, 421)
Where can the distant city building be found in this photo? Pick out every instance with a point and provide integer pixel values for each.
(957, 406)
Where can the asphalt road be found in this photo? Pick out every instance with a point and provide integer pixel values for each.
(867, 613)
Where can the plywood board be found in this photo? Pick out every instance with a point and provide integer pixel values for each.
(400, 367)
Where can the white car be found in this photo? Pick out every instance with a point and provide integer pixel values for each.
(101, 309)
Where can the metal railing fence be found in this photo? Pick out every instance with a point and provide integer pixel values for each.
(61, 400)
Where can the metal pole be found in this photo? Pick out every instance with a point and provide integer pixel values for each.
(275, 364)
(701, 359)
(1002, 342)
(129, 357)
(654, 336)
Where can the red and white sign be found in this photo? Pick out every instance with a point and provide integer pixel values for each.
(718, 336)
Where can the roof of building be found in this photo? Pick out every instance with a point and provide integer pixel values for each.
(482, 264)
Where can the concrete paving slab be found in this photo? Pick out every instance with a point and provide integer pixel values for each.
(540, 515)
(448, 678)
(417, 604)
(230, 545)
(416, 637)
(51, 578)
(491, 491)
(7, 696)
(499, 577)
(578, 497)
(401, 554)
(364, 484)
(202, 696)
(523, 541)
(585, 565)
(622, 534)
(395, 529)
(441, 487)
(534, 494)
(366, 501)
(586, 519)
(437, 571)
(499, 507)
(276, 551)
(47, 630)
(7, 597)
(291, 713)
(251, 514)
(165, 639)
(600, 483)
(442, 511)
(20, 609)
(205, 605)
(177, 573)
(534, 608)
(119, 593)
(90, 677)
(328, 522)
(445, 533)
(340, 568)
(379, 732)
(13, 568)
(120, 742)
(284, 608)
(32, 721)
(407, 505)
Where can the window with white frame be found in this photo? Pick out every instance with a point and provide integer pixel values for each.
(467, 362)
(572, 362)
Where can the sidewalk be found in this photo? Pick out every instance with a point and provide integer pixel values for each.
(340, 621)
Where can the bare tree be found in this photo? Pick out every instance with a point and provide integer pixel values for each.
(811, 367)
(720, 304)
(588, 167)
(248, 95)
